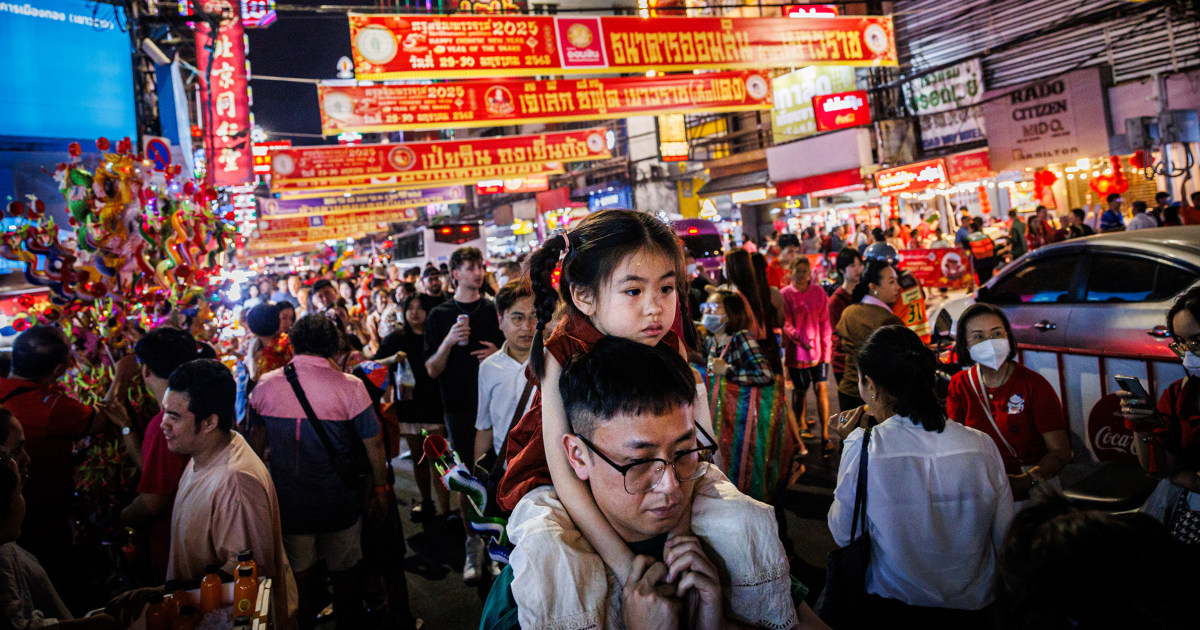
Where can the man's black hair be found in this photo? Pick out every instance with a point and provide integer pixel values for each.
(788, 240)
(210, 390)
(316, 334)
(321, 284)
(1079, 213)
(1139, 207)
(263, 320)
(464, 255)
(164, 349)
(845, 258)
(39, 351)
(1113, 197)
(1161, 197)
(510, 293)
(412, 271)
(619, 376)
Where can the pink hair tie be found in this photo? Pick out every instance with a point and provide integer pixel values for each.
(566, 245)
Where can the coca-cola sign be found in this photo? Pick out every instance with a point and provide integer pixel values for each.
(1108, 437)
(840, 111)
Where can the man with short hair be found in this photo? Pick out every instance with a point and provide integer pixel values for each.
(502, 379)
(1161, 201)
(778, 274)
(983, 251)
(1077, 224)
(159, 353)
(837, 238)
(52, 422)
(631, 403)
(324, 296)
(1112, 219)
(507, 272)
(961, 237)
(1016, 235)
(454, 349)
(1141, 219)
(226, 502)
(431, 285)
(412, 275)
(321, 515)
(850, 266)
(1190, 214)
(289, 287)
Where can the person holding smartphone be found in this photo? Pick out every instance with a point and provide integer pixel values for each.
(1167, 436)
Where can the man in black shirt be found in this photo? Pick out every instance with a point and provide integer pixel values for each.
(433, 285)
(456, 367)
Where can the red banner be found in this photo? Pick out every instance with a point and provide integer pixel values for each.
(493, 103)
(938, 268)
(839, 111)
(810, 10)
(417, 160)
(226, 102)
(965, 167)
(535, 183)
(912, 177)
(417, 179)
(408, 46)
(327, 226)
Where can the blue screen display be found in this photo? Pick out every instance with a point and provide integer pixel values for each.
(68, 70)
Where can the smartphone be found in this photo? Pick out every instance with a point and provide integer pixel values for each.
(1134, 386)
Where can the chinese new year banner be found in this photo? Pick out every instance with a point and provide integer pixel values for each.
(463, 46)
(417, 179)
(416, 160)
(324, 226)
(224, 98)
(938, 268)
(270, 207)
(492, 103)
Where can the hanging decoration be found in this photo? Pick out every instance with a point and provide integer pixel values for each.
(1042, 183)
(985, 202)
(1116, 182)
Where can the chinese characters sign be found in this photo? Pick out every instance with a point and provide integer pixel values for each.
(839, 111)
(911, 178)
(494, 103)
(358, 163)
(407, 46)
(340, 204)
(226, 103)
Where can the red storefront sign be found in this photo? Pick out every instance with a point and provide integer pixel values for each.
(520, 184)
(225, 101)
(341, 225)
(492, 103)
(407, 46)
(262, 154)
(291, 189)
(810, 10)
(938, 268)
(842, 110)
(911, 178)
(840, 180)
(965, 167)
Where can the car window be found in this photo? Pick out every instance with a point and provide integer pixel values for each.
(1133, 279)
(1044, 280)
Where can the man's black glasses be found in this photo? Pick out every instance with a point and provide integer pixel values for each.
(644, 475)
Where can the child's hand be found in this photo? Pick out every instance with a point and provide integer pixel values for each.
(647, 603)
(696, 578)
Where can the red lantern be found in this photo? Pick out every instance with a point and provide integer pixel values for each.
(103, 144)
(985, 203)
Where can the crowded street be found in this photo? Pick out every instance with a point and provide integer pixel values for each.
(578, 315)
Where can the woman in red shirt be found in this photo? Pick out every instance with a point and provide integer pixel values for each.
(1013, 404)
(1167, 439)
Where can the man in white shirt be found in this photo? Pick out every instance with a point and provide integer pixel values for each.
(1141, 219)
(502, 381)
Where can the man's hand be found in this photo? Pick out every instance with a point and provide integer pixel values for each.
(692, 573)
(1137, 411)
(115, 411)
(646, 605)
(486, 351)
(377, 507)
(129, 605)
(460, 331)
(127, 368)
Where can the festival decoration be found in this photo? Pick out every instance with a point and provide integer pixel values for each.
(1105, 185)
(457, 478)
(985, 202)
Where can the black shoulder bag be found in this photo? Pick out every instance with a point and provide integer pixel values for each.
(354, 469)
(841, 604)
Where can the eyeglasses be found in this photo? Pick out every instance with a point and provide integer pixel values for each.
(644, 475)
(1181, 347)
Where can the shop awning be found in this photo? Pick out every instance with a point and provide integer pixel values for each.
(845, 180)
(734, 183)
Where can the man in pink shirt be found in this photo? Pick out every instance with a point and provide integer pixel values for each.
(808, 346)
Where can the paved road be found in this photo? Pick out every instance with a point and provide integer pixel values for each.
(435, 556)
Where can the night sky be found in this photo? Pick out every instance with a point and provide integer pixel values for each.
(301, 45)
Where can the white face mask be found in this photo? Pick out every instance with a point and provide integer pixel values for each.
(712, 322)
(1191, 363)
(991, 353)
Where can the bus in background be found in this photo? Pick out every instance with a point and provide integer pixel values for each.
(435, 243)
(703, 242)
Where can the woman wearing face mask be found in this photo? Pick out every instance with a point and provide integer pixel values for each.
(730, 349)
(1167, 437)
(1011, 403)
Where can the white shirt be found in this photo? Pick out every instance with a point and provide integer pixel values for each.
(938, 508)
(501, 381)
(1141, 221)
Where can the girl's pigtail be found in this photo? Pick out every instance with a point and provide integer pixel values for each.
(540, 267)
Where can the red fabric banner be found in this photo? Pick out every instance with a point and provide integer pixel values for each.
(224, 97)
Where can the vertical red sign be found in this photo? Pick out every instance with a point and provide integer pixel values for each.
(221, 59)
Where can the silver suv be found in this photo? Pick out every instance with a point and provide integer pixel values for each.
(1106, 294)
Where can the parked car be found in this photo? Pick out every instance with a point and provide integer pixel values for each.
(1088, 309)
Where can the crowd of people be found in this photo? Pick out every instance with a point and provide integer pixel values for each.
(590, 382)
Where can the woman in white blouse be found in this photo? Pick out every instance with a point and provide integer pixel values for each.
(938, 500)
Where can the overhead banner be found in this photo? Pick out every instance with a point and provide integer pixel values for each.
(269, 207)
(535, 183)
(405, 181)
(792, 117)
(947, 105)
(327, 226)
(1052, 121)
(414, 161)
(377, 108)
(461, 46)
(226, 110)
